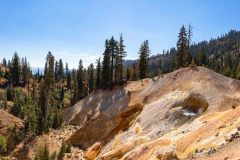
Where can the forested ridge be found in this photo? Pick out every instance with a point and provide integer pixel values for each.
(221, 54)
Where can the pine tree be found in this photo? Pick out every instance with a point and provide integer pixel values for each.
(56, 71)
(28, 78)
(15, 70)
(106, 76)
(43, 112)
(69, 78)
(80, 81)
(183, 55)
(66, 69)
(112, 49)
(4, 62)
(91, 78)
(74, 93)
(46, 99)
(190, 34)
(85, 83)
(25, 71)
(143, 59)
(50, 70)
(31, 116)
(98, 74)
(120, 54)
(60, 70)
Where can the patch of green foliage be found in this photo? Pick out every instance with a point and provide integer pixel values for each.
(3, 144)
(65, 148)
(15, 133)
(42, 153)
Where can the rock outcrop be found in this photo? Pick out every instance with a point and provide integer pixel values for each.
(187, 114)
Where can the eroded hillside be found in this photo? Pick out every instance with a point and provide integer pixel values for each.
(191, 113)
(186, 114)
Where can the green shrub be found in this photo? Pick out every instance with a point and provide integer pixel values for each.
(19, 101)
(3, 144)
(42, 153)
(15, 133)
(68, 148)
(62, 150)
(57, 119)
(31, 116)
(10, 93)
(65, 148)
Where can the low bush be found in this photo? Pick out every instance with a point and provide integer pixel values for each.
(3, 144)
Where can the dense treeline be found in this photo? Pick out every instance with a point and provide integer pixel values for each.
(221, 55)
(112, 65)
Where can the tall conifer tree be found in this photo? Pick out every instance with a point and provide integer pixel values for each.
(60, 70)
(98, 73)
(183, 55)
(143, 59)
(112, 49)
(106, 69)
(120, 54)
(91, 78)
(80, 92)
(15, 69)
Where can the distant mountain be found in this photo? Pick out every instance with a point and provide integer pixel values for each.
(128, 63)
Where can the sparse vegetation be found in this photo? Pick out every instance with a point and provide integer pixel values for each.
(3, 144)
(42, 153)
(15, 133)
(65, 148)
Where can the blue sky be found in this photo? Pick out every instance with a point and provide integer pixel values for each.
(77, 29)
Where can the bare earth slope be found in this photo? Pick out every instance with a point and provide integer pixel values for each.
(191, 113)
(7, 123)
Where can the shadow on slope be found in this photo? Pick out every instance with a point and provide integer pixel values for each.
(102, 115)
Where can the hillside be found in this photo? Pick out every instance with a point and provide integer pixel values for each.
(186, 114)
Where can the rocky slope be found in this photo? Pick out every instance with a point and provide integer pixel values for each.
(191, 113)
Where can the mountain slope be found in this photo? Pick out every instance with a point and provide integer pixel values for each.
(184, 114)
